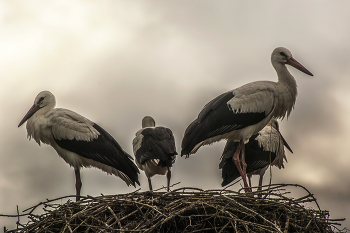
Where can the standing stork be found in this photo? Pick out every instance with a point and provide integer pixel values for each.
(240, 113)
(79, 141)
(262, 149)
(154, 149)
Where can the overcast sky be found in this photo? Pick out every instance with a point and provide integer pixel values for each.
(116, 61)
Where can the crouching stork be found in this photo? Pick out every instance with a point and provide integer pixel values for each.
(154, 149)
(263, 149)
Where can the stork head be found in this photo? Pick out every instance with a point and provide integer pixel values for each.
(44, 99)
(148, 121)
(282, 55)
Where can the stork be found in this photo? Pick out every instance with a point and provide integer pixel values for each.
(77, 140)
(264, 148)
(154, 149)
(240, 113)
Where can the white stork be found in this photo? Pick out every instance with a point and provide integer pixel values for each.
(244, 111)
(79, 141)
(154, 149)
(262, 149)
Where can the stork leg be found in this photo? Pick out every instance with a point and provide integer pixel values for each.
(236, 160)
(249, 180)
(168, 176)
(78, 184)
(149, 183)
(260, 184)
(243, 163)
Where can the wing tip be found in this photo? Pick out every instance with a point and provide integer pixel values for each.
(225, 182)
(136, 182)
(186, 154)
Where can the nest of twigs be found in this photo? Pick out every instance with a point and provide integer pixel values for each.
(183, 210)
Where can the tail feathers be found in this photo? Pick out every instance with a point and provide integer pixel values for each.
(163, 159)
(167, 163)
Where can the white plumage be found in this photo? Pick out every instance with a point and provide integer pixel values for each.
(240, 113)
(270, 139)
(79, 141)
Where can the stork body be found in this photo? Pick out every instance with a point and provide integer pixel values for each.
(79, 141)
(238, 114)
(154, 149)
(264, 148)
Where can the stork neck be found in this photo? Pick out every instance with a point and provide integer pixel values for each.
(287, 91)
(285, 78)
(42, 112)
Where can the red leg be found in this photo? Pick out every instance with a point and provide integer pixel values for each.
(78, 184)
(244, 166)
(236, 160)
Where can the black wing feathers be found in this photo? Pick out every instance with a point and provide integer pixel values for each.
(105, 149)
(216, 118)
(214, 104)
(157, 143)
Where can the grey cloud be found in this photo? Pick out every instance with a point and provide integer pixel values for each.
(168, 59)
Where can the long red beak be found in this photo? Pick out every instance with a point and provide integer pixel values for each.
(30, 113)
(291, 61)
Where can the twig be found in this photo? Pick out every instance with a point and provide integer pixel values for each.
(166, 187)
(286, 225)
(116, 218)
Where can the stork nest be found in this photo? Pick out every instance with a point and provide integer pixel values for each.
(183, 210)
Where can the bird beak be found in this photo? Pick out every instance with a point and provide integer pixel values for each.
(30, 113)
(291, 61)
(285, 143)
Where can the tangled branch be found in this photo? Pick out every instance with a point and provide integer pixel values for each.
(183, 210)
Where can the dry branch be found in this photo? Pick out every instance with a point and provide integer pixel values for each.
(183, 210)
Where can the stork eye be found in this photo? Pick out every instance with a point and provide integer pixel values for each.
(41, 99)
(283, 54)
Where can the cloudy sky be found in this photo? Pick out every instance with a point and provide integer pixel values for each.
(117, 61)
